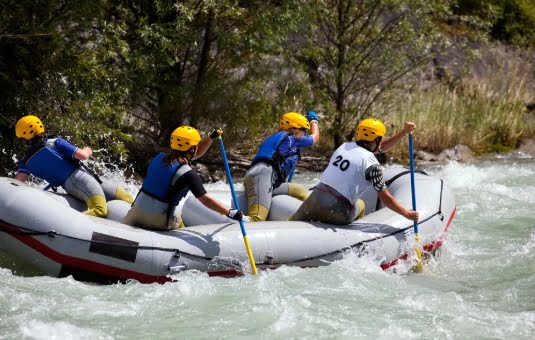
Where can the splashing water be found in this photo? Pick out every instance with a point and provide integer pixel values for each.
(481, 286)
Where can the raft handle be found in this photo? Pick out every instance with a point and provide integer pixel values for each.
(269, 258)
(177, 269)
(51, 233)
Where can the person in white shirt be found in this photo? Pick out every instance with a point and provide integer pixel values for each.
(352, 171)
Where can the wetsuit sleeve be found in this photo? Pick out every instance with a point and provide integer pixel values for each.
(22, 168)
(292, 145)
(375, 175)
(64, 148)
(193, 182)
(304, 141)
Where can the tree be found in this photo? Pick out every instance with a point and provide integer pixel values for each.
(192, 62)
(48, 68)
(511, 21)
(356, 50)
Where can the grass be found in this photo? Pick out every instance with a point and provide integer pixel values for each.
(486, 114)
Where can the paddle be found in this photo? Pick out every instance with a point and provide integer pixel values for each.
(236, 203)
(291, 176)
(418, 267)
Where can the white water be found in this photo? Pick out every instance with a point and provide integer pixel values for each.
(482, 286)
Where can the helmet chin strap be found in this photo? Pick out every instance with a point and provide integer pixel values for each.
(376, 146)
(192, 151)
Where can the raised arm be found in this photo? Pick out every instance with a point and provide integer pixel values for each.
(205, 143)
(315, 131)
(389, 143)
(314, 127)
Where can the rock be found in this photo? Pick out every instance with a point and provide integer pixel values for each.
(527, 145)
(460, 153)
(464, 154)
(221, 175)
(425, 156)
(446, 155)
(203, 171)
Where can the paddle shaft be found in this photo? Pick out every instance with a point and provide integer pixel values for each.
(413, 186)
(237, 205)
(413, 192)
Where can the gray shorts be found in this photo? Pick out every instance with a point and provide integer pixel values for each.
(149, 213)
(327, 205)
(259, 185)
(82, 185)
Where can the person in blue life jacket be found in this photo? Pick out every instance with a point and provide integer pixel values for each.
(352, 171)
(169, 179)
(276, 160)
(58, 162)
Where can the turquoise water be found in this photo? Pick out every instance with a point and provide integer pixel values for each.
(481, 286)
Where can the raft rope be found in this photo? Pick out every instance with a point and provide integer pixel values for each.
(53, 233)
(360, 246)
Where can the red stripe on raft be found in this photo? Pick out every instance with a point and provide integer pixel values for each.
(428, 247)
(113, 272)
(124, 274)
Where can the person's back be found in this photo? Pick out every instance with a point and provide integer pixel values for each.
(352, 171)
(57, 161)
(169, 179)
(347, 175)
(276, 161)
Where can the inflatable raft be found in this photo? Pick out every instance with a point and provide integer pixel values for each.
(47, 232)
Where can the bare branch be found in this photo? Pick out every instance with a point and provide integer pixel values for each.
(25, 36)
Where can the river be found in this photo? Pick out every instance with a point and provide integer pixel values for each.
(482, 285)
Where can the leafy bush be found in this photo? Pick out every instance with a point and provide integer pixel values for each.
(511, 21)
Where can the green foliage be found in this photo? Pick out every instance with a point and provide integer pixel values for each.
(498, 148)
(511, 21)
(48, 68)
(121, 75)
(355, 51)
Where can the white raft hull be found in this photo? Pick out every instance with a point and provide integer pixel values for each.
(42, 231)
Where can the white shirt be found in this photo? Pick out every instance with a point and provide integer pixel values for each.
(346, 171)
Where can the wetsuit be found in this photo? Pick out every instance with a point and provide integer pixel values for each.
(162, 190)
(267, 177)
(51, 158)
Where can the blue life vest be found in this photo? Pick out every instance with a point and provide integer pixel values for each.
(269, 153)
(158, 182)
(49, 165)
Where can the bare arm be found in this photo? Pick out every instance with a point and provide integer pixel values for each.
(83, 154)
(315, 131)
(213, 204)
(389, 143)
(394, 205)
(202, 147)
(21, 176)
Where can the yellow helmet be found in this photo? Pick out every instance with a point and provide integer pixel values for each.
(28, 127)
(293, 120)
(369, 129)
(184, 137)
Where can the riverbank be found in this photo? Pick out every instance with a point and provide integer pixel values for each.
(211, 167)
